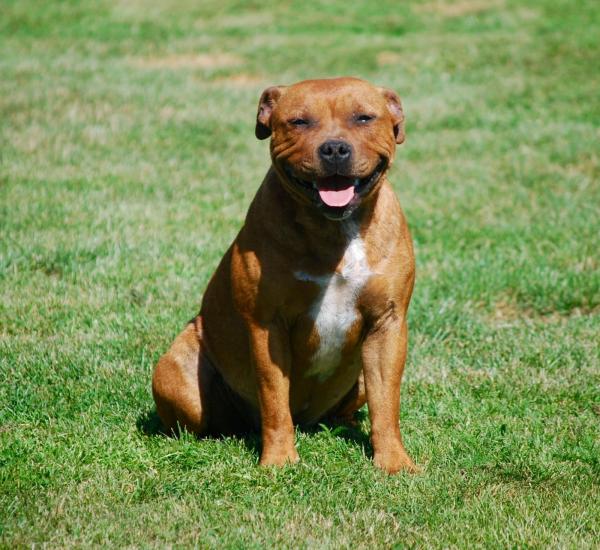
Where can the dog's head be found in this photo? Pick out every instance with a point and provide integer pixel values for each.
(331, 140)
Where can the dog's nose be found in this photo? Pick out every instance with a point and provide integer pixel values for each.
(335, 151)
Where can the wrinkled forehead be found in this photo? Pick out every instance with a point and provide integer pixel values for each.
(331, 96)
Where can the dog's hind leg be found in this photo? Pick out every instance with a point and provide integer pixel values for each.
(177, 383)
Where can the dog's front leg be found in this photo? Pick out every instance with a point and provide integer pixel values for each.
(384, 354)
(271, 358)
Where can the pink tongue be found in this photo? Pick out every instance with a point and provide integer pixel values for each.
(338, 197)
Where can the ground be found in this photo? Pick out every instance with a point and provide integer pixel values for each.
(127, 162)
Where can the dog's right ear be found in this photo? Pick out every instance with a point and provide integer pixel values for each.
(267, 103)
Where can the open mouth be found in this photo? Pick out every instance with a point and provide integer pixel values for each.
(337, 192)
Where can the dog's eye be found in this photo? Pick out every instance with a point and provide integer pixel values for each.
(364, 118)
(299, 122)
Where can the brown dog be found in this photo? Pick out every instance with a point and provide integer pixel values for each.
(305, 316)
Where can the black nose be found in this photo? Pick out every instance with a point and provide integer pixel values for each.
(335, 151)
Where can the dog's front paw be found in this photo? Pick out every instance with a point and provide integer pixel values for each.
(394, 461)
(279, 457)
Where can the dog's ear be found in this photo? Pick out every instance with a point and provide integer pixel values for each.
(395, 107)
(268, 100)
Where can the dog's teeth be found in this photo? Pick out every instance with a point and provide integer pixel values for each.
(356, 181)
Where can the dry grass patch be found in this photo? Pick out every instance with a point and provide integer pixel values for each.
(218, 60)
(508, 312)
(388, 58)
(459, 9)
(240, 80)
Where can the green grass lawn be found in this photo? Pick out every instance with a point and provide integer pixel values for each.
(127, 163)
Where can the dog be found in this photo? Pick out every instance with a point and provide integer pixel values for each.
(305, 316)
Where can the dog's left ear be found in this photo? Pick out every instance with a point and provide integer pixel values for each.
(268, 100)
(395, 107)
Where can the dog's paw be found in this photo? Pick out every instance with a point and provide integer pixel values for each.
(394, 462)
(279, 457)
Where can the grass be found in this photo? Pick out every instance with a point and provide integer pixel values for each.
(127, 164)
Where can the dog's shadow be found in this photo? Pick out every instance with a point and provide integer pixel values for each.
(351, 432)
(149, 425)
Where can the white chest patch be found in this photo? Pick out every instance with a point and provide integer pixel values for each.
(335, 311)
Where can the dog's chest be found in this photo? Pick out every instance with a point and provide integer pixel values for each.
(335, 309)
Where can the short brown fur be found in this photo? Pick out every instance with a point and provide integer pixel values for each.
(244, 361)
